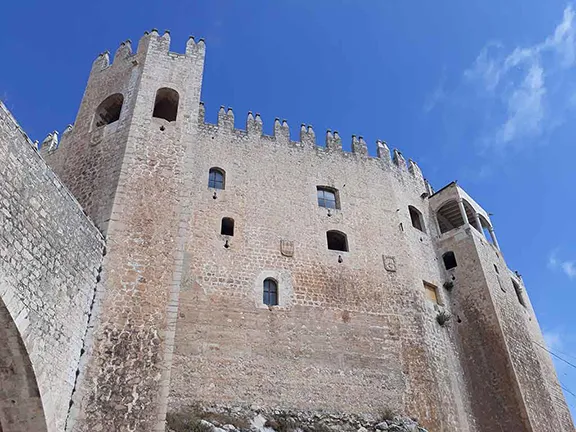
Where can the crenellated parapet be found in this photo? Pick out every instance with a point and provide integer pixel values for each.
(307, 140)
(151, 40)
(50, 143)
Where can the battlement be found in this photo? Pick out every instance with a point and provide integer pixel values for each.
(307, 140)
(150, 40)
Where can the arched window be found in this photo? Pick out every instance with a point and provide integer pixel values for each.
(327, 197)
(166, 104)
(227, 227)
(270, 292)
(109, 110)
(449, 260)
(337, 241)
(216, 178)
(519, 294)
(416, 217)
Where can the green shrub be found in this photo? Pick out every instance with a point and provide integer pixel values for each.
(443, 317)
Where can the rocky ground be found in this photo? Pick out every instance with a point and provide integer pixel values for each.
(255, 419)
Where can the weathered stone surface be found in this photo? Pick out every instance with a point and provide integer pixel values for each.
(50, 256)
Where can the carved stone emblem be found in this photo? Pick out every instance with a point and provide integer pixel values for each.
(389, 263)
(287, 248)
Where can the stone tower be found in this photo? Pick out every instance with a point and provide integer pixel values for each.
(243, 268)
(126, 160)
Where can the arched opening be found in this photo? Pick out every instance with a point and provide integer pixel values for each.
(20, 403)
(519, 293)
(270, 292)
(486, 227)
(216, 178)
(471, 215)
(327, 197)
(337, 241)
(109, 110)
(166, 104)
(416, 218)
(227, 227)
(449, 216)
(449, 260)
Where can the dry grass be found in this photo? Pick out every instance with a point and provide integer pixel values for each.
(387, 413)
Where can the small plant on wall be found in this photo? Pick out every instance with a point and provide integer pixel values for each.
(443, 317)
(448, 285)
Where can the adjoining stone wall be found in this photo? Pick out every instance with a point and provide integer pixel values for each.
(488, 373)
(349, 336)
(50, 255)
(512, 382)
(535, 382)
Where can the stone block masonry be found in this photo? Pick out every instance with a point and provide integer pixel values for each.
(50, 256)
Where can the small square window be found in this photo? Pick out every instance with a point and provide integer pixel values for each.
(431, 292)
(327, 197)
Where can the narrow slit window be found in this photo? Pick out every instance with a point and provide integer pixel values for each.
(166, 104)
(270, 292)
(519, 293)
(449, 260)
(327, 197)
(337, 241)
(227, 227)
(416, 218)
(216, 178)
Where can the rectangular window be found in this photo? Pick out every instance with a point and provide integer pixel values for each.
(326, 198)
(431, 292)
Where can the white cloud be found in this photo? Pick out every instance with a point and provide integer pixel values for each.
(568, 267)
(486, 68)
(553, 339)
(434, 98)
(437, 96)
(525, 107)
(552, 261)
(518, 81)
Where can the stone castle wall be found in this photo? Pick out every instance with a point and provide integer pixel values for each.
(348, 336)
(50, 255)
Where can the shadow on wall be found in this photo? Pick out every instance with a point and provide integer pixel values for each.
(20, 402)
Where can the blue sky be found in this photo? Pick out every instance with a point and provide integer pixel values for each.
(482, 91)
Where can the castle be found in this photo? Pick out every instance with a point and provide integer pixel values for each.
(150, 261)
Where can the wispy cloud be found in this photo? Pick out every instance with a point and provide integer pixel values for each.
(518, 81)
(437, 96)
(568, 267)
